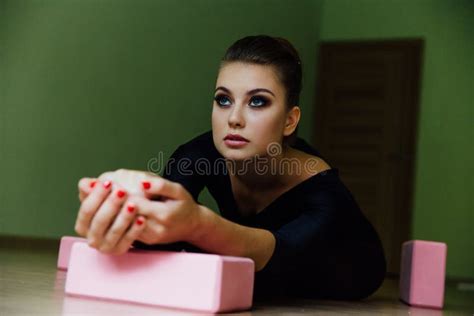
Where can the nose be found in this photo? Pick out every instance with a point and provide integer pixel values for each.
(236, 117)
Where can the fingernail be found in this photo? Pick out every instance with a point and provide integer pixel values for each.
(139, 221)
(146, 185)
(131, 208)
(107, 184)
(120, 193)
(92, 184)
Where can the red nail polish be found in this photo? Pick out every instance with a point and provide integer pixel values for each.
(139, 221)
(107, 184)
(131, 208)
(146, 185)
(92, 184)
(120, 193)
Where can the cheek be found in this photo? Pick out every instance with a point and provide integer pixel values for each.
(216, 117)
(269, 129)
(268, 124)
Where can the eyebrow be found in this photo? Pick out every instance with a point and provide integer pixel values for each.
(248, 92)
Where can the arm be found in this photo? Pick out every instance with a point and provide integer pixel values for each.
(328, 250)
(218, 235)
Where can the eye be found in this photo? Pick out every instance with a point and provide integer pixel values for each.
(258, 101)
(222, 100)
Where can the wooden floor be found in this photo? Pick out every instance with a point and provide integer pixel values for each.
(30, 284)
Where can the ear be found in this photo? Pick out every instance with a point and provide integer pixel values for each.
(292, 119)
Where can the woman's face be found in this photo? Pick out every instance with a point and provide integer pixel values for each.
(249, 101)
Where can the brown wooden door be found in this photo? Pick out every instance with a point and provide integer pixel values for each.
(365, 125)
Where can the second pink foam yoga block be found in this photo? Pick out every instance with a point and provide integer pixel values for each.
(202, 282)
(422, 273)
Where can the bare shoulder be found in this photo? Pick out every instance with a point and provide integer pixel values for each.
(313, 163)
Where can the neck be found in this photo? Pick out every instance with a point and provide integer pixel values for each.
(260, 173)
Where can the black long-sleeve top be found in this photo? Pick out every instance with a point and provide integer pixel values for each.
(325, 247)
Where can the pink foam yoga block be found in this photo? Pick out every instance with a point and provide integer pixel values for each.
(65, 250)
(422, 273)
(201, 282)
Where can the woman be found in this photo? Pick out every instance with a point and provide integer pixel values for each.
(281, 204)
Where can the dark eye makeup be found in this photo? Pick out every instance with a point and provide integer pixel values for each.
(259, 101)
(256, 101)
(221, 100)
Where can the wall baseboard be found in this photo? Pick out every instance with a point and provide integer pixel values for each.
(52, 244)
(28, 243)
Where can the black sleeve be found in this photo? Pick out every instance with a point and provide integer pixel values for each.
(181, 168)
(329, 251)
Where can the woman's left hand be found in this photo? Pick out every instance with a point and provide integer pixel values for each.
(171, 212)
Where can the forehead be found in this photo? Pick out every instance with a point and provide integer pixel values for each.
(239, 76)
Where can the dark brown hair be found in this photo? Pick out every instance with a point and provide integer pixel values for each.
(274, 51)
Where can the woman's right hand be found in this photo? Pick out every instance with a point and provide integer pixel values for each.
(108, 219)
(104, 216)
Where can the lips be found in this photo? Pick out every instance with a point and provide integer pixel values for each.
(235, 137)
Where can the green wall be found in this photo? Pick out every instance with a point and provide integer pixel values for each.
(91, 86)
(88, 86)
(443, 206)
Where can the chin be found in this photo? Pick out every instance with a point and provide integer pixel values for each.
(233, 154)
(237, 157)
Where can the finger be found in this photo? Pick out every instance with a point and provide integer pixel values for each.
(157, 186)
(132, 234)
(152, 209)
(85, 186)
(104, 217)
(122, 222)
(144, 236)
(90, 205)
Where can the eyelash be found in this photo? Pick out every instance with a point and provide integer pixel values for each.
(264, 101)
